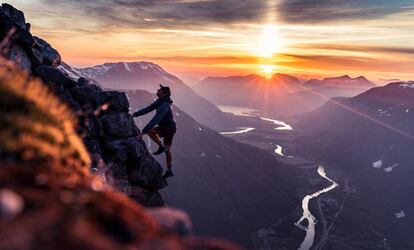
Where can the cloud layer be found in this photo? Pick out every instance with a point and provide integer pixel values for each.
(163, 13)
(315, 11)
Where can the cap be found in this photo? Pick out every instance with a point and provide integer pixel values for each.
(166, 90)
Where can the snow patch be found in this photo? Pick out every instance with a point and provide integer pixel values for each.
(390, 168)
(377, 164)
(127, 67)
(407, 85)
(400, 214)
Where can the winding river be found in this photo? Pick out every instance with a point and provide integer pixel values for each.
(281, 124)
(307, 215)
(241, 131)
(279, 151)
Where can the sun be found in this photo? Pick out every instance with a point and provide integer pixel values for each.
(269, 41)
(267, 70)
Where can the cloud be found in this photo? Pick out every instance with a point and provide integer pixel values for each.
(408, 51)
(314, 11)
(162, 13)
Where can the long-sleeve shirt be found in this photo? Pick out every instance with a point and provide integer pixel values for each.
(163, 117)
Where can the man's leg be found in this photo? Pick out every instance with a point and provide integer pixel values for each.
(168, 156)
(154, 136)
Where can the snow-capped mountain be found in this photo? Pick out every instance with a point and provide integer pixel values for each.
(148, 76)
(143, 69)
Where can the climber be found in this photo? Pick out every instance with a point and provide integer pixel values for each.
(166, 125)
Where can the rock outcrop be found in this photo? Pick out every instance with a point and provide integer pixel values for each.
(48, 197)
(106, 127)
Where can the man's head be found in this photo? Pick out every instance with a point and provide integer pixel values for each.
(163, 91)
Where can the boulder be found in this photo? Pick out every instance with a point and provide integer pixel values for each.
(93, 146)
(174, 220)
(93, 127)
(123, 149)
(144, 196)
(149, 176)
(23, 38)
(68, 99)
(135, 148)
(118, 170)
(53, 76)
(45, 54)
(19, 56)
(116, 150)
(119, 125)
(16, 16)
(82, 81)
(116, 101)
(87, 96)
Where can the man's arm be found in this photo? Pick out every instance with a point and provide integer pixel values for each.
(162, 110)
(145, 110)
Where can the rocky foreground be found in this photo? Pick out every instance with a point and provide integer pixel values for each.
(48, 198)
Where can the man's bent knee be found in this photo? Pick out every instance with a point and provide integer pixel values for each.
(152, 132)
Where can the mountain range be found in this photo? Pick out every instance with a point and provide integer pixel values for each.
(148, 76)
(281, 95)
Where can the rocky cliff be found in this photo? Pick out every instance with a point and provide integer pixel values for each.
(52, 131)
(49, 199)
(104, 123)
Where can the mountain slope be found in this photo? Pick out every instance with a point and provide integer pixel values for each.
(229, 189)
(250, 90)
(371, 138)
(148, 76)
(282, 95)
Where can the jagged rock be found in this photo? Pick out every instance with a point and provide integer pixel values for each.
(116, 149)
(93, 127)
(145, 197)
(17, 54)
(93, 146)
(172, 219)
(135, 148)
(123, 149)
(14, 15)
(68, 99)
(119, 125)
(87, 96)
(82, 81)
(117, 101)
(52, 76)
(45, 54)
(118, 170)
(150, 177)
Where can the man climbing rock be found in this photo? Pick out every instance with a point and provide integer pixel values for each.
(165, 128)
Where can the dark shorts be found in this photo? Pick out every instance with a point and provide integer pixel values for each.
(166, 133)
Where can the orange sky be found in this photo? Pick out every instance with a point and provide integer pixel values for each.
(203, 38)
